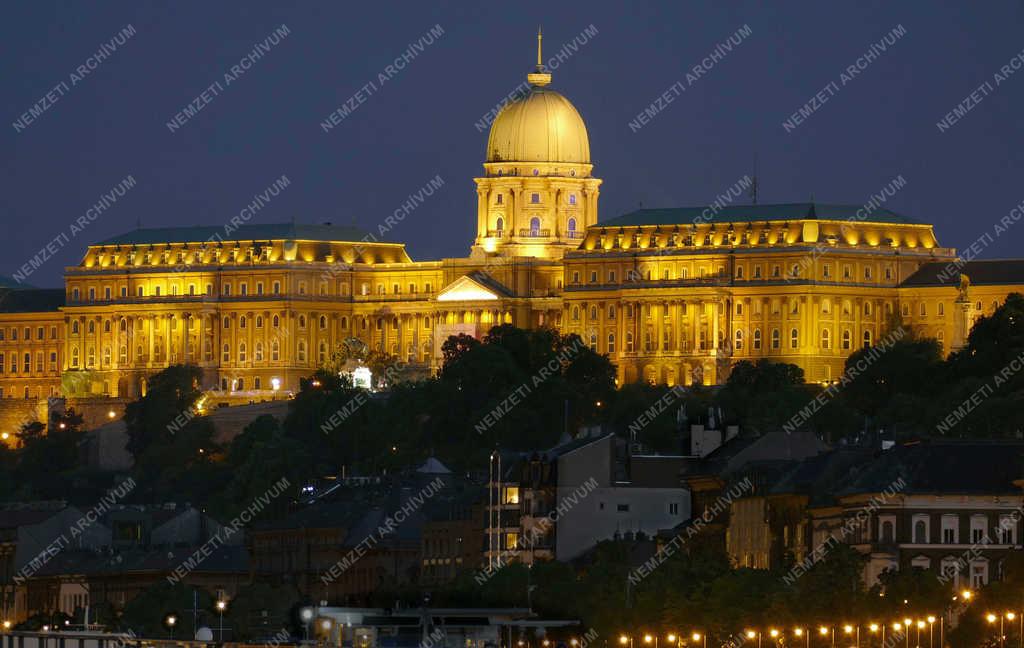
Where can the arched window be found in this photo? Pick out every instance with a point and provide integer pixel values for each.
(593, 313)
(887, 531)
(572, 226)
(106, 326)
(227, 322)
(74, 357)
(258, 352)
(241, 352)
(241, 321)
(920, 532)
(322, 354)
(611, 311)
(302, 351)
(74, 327)
(776, 338)
(344, 323)
(500, 224)
(846, 340)
(90, 357)
(534, 226)
(106, 356)
(611, 343)
(593, 341)
(276, 321)
(323, 322)
(92, 327)
(575, 313)
(123, 355)
(275, 351)
(757, 339)
(302, 321)
(867, 308)
(124, 325)
(259, 321)
(226, 353)
(794, 338)
(867, 339)
(825, 339)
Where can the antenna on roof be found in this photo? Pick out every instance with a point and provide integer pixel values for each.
(754, 183)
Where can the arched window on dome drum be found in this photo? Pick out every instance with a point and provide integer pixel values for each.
(534, 226)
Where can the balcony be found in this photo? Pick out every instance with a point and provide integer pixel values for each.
(534, 233)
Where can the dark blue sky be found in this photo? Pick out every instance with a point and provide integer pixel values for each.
(420, 124)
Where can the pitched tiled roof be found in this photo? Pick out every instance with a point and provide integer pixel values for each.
(754, 213)
(34, 300)
(990, 272)
(944, 467)
(270, 232)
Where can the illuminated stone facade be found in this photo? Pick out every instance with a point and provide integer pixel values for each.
(671, 295)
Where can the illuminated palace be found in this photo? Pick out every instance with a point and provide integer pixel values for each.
(671, 295)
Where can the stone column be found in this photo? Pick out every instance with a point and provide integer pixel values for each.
(714, 326)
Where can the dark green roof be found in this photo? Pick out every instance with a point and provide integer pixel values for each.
(271, 232)
(753, 214)
(993, 272)
(34, 300)
(952, 467)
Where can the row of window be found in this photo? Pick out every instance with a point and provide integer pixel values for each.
(757, 342)
(1005, 533)
(26, 362)
(40, 331)
(227, 289)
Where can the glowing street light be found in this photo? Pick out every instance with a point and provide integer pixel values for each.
(696, 636)
(170, 620)
(221, 606)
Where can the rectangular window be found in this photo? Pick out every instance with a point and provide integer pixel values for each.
(622, 508)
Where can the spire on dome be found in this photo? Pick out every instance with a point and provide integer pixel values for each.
(540, 76)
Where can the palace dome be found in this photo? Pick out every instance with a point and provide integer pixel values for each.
(541, 126)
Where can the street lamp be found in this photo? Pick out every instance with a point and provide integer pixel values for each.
(306, 614)
(170, 621)
(991, 618)
(874, 628)
(800, 633)
(824, 631)
(931, 630)
(623, 640)
(696, 636)
(648, 639)
(849, 629)
(751, 634)
(221, 606)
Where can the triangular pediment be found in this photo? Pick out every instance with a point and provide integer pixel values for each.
(469, 288)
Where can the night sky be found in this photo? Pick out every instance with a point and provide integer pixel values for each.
(420, 123)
